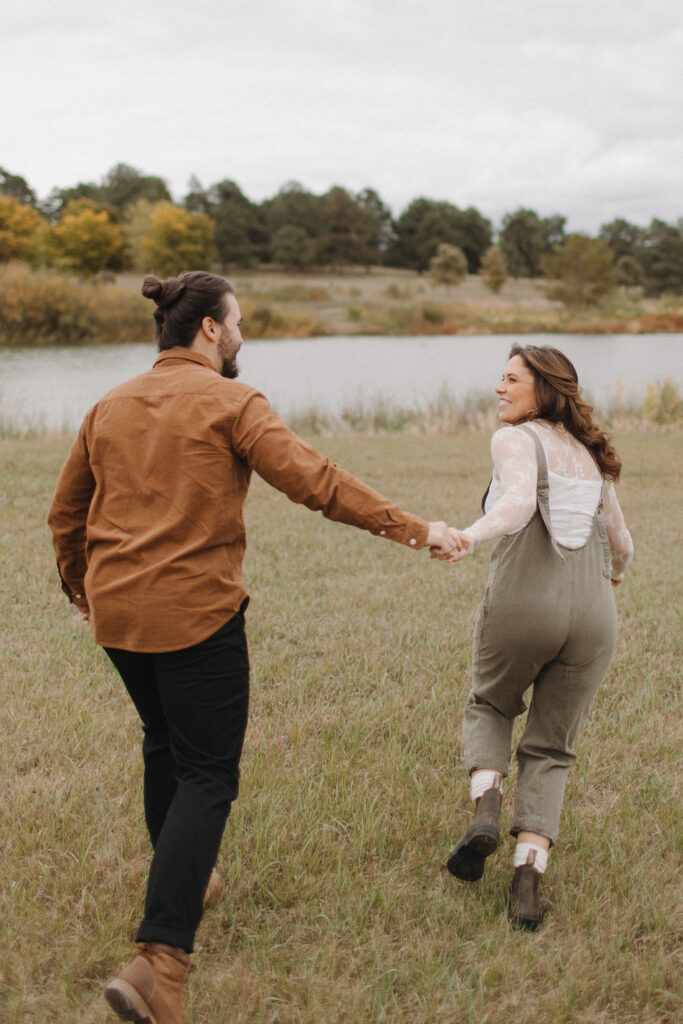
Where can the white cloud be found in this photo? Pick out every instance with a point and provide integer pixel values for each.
(568, 108)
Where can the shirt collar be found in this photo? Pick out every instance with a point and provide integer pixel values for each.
(183, 353)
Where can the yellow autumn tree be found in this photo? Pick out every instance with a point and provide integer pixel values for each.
(20, 231)
(137, 226)
(177, 240)
(86, 240)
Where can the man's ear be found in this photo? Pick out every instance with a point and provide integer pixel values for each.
(209, 328)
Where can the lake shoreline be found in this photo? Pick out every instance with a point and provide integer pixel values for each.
(358, 383)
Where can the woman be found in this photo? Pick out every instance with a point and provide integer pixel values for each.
(548, 617)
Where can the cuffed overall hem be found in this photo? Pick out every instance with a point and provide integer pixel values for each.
(171, 935)
(491, 764)
(541, 826)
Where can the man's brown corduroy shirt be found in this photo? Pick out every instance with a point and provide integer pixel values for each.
(147, 514)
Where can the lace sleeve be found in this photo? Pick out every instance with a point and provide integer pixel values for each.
(514, 471)
(620, 543)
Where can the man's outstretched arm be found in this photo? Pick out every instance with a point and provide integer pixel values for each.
(307, 477)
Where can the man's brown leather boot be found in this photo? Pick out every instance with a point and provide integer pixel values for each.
(525, 907)
(214, 889)
(150, 989)
(480, 840)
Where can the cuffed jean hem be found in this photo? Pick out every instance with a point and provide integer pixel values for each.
(541, 826)
(169, 934)
(491, 764)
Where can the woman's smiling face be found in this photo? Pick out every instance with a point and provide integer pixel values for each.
(516, 392)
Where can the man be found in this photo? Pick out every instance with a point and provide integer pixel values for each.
(149, 535)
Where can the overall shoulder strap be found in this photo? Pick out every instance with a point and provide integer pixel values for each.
(542, 485)
(541, 461)
(602, 495)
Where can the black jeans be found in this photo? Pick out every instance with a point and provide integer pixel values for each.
(193, 704)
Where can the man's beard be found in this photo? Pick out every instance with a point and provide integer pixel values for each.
(229, 367)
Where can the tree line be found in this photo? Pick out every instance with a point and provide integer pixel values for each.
(130, 221)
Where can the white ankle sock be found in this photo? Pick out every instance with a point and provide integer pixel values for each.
(522, 853)
(482, 780)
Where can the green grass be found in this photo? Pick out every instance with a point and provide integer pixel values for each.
(339, 908)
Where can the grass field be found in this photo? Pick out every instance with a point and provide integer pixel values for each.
(339, 907)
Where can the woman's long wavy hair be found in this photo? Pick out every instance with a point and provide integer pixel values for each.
(558, 400)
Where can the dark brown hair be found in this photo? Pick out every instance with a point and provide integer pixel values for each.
(558, 400)
(183, 302)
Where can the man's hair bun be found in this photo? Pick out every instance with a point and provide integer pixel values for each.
(182, 302)
(162, 292)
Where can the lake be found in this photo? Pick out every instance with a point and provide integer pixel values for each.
(51, 388)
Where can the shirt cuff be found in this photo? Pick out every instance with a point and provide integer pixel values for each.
(469, 534)
(413, 533)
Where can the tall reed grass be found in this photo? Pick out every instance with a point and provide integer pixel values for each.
(45, 308)
(661, 409)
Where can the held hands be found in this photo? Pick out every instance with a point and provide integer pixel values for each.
(451, 548)
(446, 543)
(462, 548)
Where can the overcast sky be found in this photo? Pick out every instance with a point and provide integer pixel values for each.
(568, 107)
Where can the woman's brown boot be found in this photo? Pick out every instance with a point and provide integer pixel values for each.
(525, 907)
(150, 989)
(481, 839)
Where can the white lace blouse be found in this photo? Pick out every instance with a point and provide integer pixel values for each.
(574, 485)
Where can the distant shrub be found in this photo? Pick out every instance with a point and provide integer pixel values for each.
(265, 322)
(449, 266)
(662, 404)
(493, 269)
(45, 308)
(433, 314)
(394, 291)
(354, 313)
(581, 270)
(397, 319)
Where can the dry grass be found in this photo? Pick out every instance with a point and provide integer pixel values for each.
(398, 302)
(39, 308)
(338, 907)
(43, 307)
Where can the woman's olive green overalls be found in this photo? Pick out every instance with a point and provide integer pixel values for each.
(548, 618)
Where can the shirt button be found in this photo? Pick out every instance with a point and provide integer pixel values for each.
(413, 541)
